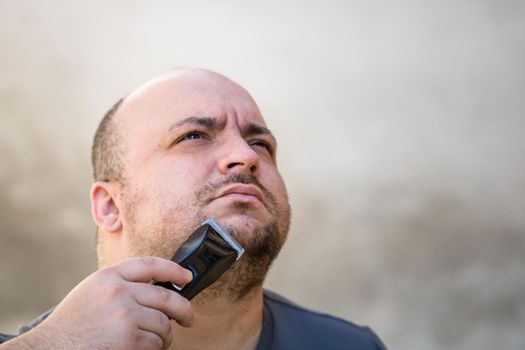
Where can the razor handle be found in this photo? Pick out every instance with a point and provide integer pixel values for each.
(207, 253)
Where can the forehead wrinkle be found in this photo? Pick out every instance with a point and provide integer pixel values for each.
(207, 122)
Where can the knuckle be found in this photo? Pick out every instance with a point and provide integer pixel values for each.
(107, 272)
(147, 340)
(164, 295)
(125, 313)
(127, 333)
(114, 291)
(185, 311)
(185, 306)
(165, 324)
(148, 262)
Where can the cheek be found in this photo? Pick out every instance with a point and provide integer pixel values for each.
(283, 197)
(172, 190)
(176, 178)
(277, 187)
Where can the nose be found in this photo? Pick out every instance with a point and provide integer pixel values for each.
(237, 155)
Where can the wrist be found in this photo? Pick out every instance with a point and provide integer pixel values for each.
(33, 339)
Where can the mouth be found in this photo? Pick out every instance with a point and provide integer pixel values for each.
(242, 192)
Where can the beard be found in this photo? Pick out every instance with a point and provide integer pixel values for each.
(261, 241)
(250, 270)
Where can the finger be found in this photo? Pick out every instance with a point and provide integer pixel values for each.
(146, 340)
(147, 268)
(173, 305)
(157, 322)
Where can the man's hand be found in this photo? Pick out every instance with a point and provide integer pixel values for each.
(116, 308)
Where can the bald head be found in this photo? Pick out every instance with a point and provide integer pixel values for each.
(109, 144)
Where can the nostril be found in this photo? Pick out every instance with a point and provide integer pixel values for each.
(231, 165)
(252, 168)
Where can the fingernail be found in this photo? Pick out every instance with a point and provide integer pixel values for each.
(189, 275)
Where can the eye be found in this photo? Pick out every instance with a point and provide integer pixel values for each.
(192, 135)
(260, 143)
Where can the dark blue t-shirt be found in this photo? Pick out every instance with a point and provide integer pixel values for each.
(288, 326)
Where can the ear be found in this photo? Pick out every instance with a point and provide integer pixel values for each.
(104, 208)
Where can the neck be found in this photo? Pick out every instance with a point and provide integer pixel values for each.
(220, 323)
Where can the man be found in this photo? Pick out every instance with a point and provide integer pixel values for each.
(187, 146)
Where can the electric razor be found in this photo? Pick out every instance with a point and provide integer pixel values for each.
(207, 253)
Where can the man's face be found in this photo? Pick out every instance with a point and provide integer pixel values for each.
(197, 147)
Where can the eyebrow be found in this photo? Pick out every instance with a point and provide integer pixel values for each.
(206, 122)
(256, 129)
(211, 123)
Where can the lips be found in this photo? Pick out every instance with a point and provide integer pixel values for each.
(241, 190)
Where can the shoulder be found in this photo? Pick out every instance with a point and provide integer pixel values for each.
(5, 337)
(26, 327)
(295, 325)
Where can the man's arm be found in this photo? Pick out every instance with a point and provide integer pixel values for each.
(117, 308)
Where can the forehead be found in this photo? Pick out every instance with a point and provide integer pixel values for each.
(174, 97)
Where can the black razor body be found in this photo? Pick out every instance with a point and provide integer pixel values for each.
(207, 253)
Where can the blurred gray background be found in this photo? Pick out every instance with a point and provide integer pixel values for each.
(401, 130)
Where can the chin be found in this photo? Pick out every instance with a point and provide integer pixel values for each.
(240, 223)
